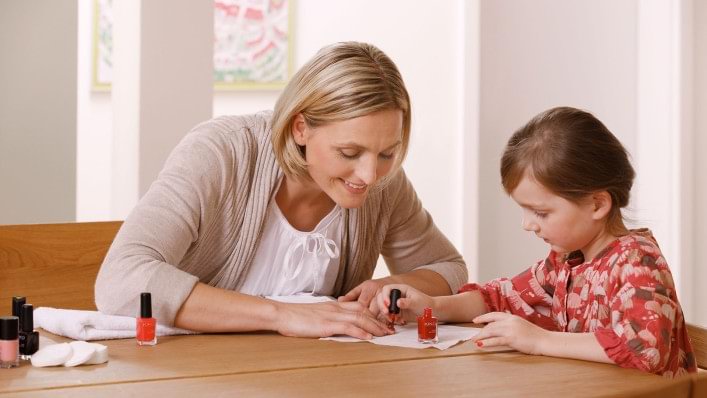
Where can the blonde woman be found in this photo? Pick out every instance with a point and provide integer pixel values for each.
(301, 200)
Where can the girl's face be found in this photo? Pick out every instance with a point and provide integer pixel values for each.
(566, 226)
(346, 158)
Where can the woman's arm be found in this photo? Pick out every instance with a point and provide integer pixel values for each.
(210, 309)
(426, 281)
(415, 250)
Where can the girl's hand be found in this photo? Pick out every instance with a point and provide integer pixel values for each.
(504, 329)
(328, 319)
(412, 302)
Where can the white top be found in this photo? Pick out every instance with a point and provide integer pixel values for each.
(288, 261)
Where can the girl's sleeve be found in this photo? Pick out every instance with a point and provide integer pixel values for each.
(645, 316)
(528, 294)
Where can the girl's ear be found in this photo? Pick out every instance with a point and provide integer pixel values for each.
(299, 130)
(602, 204)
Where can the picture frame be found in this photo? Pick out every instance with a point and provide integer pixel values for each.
(102, 46)
(253, 44)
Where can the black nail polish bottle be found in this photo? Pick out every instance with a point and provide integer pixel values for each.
(393, 309)
(29, 338)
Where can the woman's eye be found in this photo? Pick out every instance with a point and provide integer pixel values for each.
(348, 155)
(540, 215)
(387, 156)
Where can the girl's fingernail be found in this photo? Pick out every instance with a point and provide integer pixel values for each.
(479, 343)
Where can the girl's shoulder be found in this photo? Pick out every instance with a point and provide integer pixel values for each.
(636, 253)
(640, 241)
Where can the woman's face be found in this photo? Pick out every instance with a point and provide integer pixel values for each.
(345, 159)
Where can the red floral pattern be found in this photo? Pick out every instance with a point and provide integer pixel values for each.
(625, 296)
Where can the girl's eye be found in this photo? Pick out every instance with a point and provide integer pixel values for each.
(387, 156)
(540, 215)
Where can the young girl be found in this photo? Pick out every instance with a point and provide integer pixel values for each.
(604, 293)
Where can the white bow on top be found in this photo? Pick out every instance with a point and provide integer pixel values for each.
(316, 250)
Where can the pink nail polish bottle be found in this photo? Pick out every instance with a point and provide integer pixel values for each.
(9, 342)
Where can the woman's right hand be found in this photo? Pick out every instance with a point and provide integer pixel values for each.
(328, 319)
(412, 303)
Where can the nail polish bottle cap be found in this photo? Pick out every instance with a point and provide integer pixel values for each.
(17, 303)
(427, 313)
(27, 319)
(393, 306)
(145, 305)
(9, 327)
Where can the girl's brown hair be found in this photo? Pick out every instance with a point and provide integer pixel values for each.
(571, 153)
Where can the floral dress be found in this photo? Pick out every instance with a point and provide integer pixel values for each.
(625, 296)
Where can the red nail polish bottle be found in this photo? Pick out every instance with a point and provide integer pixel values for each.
(427, 327)
(146, 324)
(393, 309)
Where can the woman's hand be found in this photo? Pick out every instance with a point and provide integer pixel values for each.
(504, 329)
(412, 303)
(365, 293)
(328, 319)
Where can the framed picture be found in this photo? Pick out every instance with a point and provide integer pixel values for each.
(252, 44)
(102, 45)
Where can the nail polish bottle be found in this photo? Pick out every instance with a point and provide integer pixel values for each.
(393, 309)
(427, 327)
(146, 325)
(17, 303)
(9, 342)
(29, 338)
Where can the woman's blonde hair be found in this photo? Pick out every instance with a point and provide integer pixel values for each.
(342, 81)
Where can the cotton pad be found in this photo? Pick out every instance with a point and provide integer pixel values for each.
(81, 352)
(52, 355)
(99, 356)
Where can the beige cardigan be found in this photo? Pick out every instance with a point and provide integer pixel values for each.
(202, 218)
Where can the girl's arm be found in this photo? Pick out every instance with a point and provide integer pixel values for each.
(513, 331)
(527, 295)
(582, 346)
(462, 307)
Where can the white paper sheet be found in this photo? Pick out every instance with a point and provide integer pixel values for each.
(406, 336)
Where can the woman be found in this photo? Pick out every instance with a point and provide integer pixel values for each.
(302, 200)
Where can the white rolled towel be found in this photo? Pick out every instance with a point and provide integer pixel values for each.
(92, 325)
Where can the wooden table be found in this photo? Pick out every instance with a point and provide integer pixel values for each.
(265, 364)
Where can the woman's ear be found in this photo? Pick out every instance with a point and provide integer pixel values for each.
(602, 204)
(299, 130)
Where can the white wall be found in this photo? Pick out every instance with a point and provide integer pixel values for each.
(432, 84)
(700, 171)
(37, 111)
(536, 55)
(428, 59)
(94, 134)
